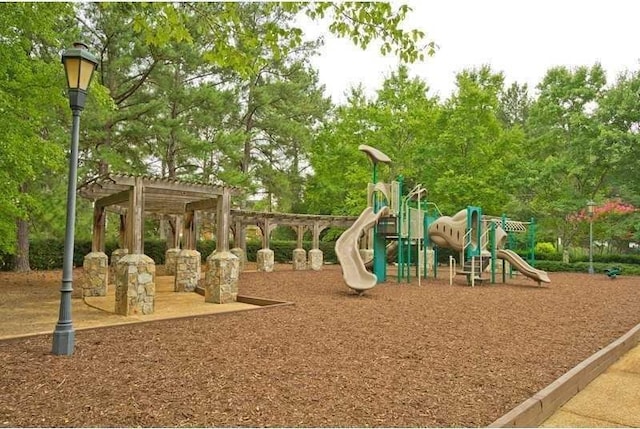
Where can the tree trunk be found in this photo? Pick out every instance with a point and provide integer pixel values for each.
(22, 255)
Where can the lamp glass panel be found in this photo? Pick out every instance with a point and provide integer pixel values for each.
(86, 70)
(72, 67)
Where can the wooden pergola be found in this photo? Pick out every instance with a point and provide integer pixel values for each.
(134, 197)
(267, 220)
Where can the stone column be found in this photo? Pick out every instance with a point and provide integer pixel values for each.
(299, 254)
(315, 259)
(170, 260)
(265, 260)
(242, 258)
(240, 243)
(135, 285)
(96, 274)
(265, 256)
(187, 271)
(431, 262)
(221, 279)
(315, 254)
(116, 255)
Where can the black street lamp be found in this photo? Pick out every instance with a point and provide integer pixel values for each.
(79, 66)
(590, 206)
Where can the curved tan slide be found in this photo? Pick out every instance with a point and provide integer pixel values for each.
(354, 272)
(522, 266)
(449, 231)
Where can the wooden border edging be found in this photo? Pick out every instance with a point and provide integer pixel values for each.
(535, 410)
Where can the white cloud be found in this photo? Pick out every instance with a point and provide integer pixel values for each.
(523, 39)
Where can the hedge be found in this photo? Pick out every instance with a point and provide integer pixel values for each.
(583, 267)
(47, 254)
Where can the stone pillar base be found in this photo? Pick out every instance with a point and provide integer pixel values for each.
(430, 262)
(96, 274)
(299, 259)
(116, 255)
(221, 279)
(135, 285)
(242, 258)
(170, 260)
(264, 259)
(315, 259)
(187, 271)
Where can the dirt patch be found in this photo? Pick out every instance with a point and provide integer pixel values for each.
(400, 355)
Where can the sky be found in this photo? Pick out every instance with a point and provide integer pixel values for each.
(521, 38)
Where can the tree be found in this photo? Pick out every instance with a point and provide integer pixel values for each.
(514, 105)
(570, 163)
(618, 115)
(474, 157)
(400, 121)
(33, 106)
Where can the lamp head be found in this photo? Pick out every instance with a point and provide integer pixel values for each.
(79, 66)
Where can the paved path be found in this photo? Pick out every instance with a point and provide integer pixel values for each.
(40, 317)
(611, 400)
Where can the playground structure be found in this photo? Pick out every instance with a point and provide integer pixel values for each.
(392, 224)
(416, 229)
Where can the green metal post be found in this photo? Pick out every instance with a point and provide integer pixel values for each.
(492, 237)
(532, 243)
(408, 243)
(425, 243)
(436, 254)
(399, 256)
(504, 263)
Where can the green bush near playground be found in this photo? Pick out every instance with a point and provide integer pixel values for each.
(583, 267)
(47, 254)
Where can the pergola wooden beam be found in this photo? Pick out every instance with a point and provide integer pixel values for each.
(208, 204)
(113, 199)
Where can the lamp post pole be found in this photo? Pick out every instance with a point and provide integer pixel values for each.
(64, 334)
(590, 206)
(79, 66)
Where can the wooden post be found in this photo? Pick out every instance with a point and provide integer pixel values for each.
(316, 235)
(97, 239)
(122, 232)
(136, 210)
(300, 231)
(223, 217)
(188, 233)
(266, 232)
(176, 231)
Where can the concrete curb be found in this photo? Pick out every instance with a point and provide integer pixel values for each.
(535, 410)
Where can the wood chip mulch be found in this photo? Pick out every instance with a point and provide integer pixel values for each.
(398, 356)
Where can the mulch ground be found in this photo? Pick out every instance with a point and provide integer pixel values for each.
(400, 355)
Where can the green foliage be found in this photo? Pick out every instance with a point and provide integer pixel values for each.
(33, 107)
(400, 121)
(360, 22)
(544, 247)
(47, 254)
(583, 267)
